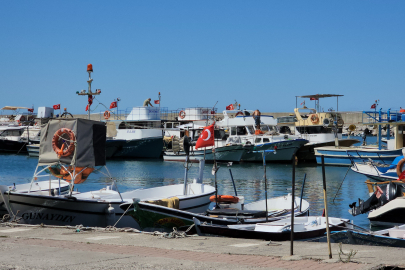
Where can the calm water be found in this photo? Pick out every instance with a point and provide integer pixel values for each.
(249, 179)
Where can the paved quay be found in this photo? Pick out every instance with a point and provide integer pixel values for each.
(64, 248)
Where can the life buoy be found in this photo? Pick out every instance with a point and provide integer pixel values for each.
(340, 122)
(238, 113)
(224, 198)
(182, 114)
(63, 142)
(107, 114)
(81, 173)
(314, 118)
(400, 167)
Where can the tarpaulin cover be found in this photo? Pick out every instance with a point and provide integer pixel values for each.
(90, 142)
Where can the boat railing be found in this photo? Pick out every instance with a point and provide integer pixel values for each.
(389, 116)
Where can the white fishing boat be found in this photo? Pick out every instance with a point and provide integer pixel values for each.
(318, 127)
(378, 171)
(72, 149)
(242, 130)
(140, 135)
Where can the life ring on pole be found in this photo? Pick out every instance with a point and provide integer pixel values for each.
(239, 113)
(63, 142)
(182, 114)
(400, 167)
(314, 118)
(107, 114)
(224, 198)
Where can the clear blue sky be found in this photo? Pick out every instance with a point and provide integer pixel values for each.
(261, 53)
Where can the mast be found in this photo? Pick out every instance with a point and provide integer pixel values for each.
(89, 94)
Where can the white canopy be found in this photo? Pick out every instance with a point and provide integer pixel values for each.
(13, 108)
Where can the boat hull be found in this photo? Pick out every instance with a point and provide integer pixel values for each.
(11, 146)
(307, 152)
(140, 148)
(231, 153)
(339, 156)
(285, 151)
(178, 218)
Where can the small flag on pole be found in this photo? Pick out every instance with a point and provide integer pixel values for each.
(113, 105)
(157, 101)
(206, 138)
(56, 107)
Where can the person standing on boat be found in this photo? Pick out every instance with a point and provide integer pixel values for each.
(256, 115)
(147, 102)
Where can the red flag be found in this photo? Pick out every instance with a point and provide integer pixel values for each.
(31, 110)
(206, 138)
(113, 105)
(373, 106)
(157, 101)
(56, 107)
(87, 107)
(230, 107)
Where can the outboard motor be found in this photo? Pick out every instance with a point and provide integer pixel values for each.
(380, 197)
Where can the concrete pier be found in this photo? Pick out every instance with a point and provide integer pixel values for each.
(65, 248)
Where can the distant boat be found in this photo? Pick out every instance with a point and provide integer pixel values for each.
(344, 156)
(242, 130)
(319, 128)
(378, 171)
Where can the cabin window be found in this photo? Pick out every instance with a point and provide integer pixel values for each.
(241, 131)
(233, 130)
(251, 129)
(258, 140)
(169, 125)
(266, 140)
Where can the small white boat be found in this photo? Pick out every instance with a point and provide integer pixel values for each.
(280, 230)
(33, 149)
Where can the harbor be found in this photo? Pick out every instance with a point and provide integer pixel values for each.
(196, 135)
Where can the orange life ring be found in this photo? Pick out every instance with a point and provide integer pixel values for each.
(400, 166)
(238, 113)
(182, 114)
(62, 173)
(224, 198)
(107, 114)
(314, 118)
(63, 142)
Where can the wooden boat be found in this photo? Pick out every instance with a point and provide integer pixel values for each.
(151, 215)
(304, 228)
(393, 237)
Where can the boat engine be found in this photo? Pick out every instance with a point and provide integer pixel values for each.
(377, 199)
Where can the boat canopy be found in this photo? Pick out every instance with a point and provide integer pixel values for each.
(88, 138)
(13, 108)
(319, 96)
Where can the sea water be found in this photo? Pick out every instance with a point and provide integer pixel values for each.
(343, 186)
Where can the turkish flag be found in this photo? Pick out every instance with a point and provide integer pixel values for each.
(31, 110)
(206, 138)
(56, 107)
(113, 105)
(373, 106)
(157, 101)
(230, 107)
(87, 107)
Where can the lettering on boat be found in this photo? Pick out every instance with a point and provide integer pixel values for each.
(47, 216)
(170, 220)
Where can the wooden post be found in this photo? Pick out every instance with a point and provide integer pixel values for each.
(292, 206)
(326, 206)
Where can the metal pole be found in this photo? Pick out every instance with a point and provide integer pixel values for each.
(302, 191)
(233, 182)
(185, 177)
(326, 206)
(292, 207)
(265, 185)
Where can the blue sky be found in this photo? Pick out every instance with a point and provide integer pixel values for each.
(261, 53)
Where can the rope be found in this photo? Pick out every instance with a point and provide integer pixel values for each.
(122, 215)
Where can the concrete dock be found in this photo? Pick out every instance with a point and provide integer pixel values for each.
(38, 247)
